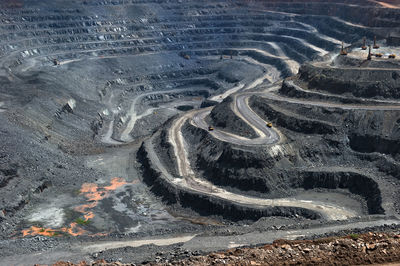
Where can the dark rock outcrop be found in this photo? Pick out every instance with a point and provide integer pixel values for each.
(356, 183)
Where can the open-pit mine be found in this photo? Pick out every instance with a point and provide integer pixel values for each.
(145, 130)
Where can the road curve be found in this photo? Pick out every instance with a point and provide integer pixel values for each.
(133, 116)
(265, 135)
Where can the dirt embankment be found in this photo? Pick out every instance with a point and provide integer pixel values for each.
(370, 248)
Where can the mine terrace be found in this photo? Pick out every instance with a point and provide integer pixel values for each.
(134, 128)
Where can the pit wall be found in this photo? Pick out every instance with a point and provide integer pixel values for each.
(373, 131)
(371, 143)
(359, 82)
(356, 183)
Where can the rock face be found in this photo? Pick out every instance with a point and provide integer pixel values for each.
(367, 83)
(357, 183)
(368, 144)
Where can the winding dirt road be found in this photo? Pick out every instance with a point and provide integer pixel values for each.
(267, 136)
(132, 115)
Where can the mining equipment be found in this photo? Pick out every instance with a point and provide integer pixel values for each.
(343, 51)
(210, 128)
(269, 124)
(364, 47)
(378, 55)
(375, 45)
(369, 53)
(392, 56)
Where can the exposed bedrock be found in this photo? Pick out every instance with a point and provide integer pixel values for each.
(166, 151)
(269, 112)
(385, 164)
(368, 144)
(356, 183)
(206, 205)
(384, 83)
(374, 131)
(222, 116)
(152, 177)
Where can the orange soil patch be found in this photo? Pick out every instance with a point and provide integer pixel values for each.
(74, 230)
(93, 193)
(116, 183)
(82, 208)
(34, 230)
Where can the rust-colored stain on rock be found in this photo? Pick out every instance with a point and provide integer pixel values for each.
(93, 194)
